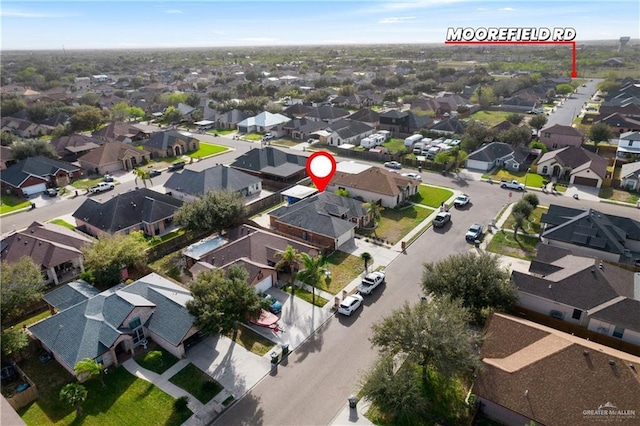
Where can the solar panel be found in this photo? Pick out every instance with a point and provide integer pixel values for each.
(598, 242)
(579, 238)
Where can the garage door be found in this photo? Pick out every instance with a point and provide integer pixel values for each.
(264, 284)
(579, 180)
(34, 189)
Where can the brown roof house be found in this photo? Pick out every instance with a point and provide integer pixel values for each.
(558, 136)
(376, 184)
(578, 165)
(532, 373)
(70, 147)
(122, 132)
(6, 157)
(34, 174)
(113, 156)
(55, 248)
(171, 143)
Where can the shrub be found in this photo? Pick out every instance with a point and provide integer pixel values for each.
(87, 276)
(181, 403)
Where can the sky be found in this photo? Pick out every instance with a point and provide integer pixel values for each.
(87, 24)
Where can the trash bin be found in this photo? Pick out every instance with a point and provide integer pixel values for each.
(274, 357)
(285, 351)
(353, 401)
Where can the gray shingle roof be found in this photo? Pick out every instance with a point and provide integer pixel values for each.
(492, 152)
(215, 178)
(164, 140)
(37, 166)
(625, 313)
(271, 161)
(326, 112)
(71, 294)
(349, 128)
(365, 115)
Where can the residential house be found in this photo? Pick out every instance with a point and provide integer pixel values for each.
(375, 184)
(70, 147)
(56, 249)
(230, 119)
(592, 233)
(34, 174)
(531, 373)
(108, 101)
(108, 327)
(324, 220)
(498, 154)
(366, 116)
(346, 132)
(451, 102)
(138, 210)
(297, 110)
(558, 136)
(121, 132)
(428, 105)
(449, 125)
(299, 128)
(24, 128)
(6, 157)
(69, 295)
(272, 164)
(189, 185)
(353, 101)
(630, 176)
(620, 124)
(170, 143)
(628, 145)
(185, 110)
(401, 123)
(576, 164)
(519, 104)
(327, 114)
(113, 156)
(263, 122)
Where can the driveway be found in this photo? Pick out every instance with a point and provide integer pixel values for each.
(583, 192)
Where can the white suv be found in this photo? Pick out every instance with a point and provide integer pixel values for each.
(350, 304)
(101, 187)
(370, 282)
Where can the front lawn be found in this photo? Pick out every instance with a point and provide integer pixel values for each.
(395, 145)
(307, 296)
(609, 193)
(524, 247)
(490, 118)
(9, 203)
(251, 341)
(396, 223)
(285, 142)
(206, 150)
(221, 131)
(126, 400)
(431, 196)
(86, 183)
(344, 268)
(253, 137)
(157, 360)
(531, 225)
(197, 383)
(533, 180)
(62, 222)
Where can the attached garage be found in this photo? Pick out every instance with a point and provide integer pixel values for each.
(34, 189)
(265, 284)
(579, 180)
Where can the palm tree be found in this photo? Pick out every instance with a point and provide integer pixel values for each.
(312, 272)
(143, 175)
(518, 222)
(88, 368)
(73, 394)
(366, 256)
(289, 259)
(374, 210)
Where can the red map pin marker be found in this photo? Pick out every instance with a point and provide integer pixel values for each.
(321, 166)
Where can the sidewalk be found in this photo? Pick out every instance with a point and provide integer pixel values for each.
(352, 416)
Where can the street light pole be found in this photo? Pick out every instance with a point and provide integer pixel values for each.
(526, 176)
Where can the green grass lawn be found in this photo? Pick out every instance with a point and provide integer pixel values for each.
(197, 383)
(285, 142)
(394, 145)
(168, 265)
(126, 400)
(431, 196)
(11, 203)
(344, 268)
(86, 183)
(251, 341)
(207, 149)
(307, 296)
(157, 360)
(221, 131)
(491, 118)
(253, 137)
(62, 222)
(31, 320)
(522, 248)
(533, 180)
(609, 193)
(396, 223)
(154, 241)
(531, 225)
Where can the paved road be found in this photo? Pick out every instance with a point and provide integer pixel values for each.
(565, 114)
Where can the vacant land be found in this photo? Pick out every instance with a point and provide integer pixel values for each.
(431, 196)
(491, 118)
(343, 268)
(396, 223)
(522, 247)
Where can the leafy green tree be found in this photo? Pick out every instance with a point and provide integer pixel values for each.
(120, 111)
(600, 132)
(433, 334)
(21, 284)
(341, 192)
(538, 121)
(564, 89)
(524, 208)
(476, 134)
(289, 261)
(110, 254)
(483, 96)
(366, 258)
(477, 279)
(312, 272)
(215, 211)
(143, 175)
(7, 138)
(193, 100)
(74, 395)
(515, 136)
(172, 115)
(88, 368)
(25, 148)
(10, 106)
(219, 303)
(538, 145)
(135, 112)
(442, 158)
(87, 118)
(515, 118)
(532, 199)
(13, 341)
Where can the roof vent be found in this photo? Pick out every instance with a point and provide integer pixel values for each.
(593, 270)
(633, 367)
(585, 353)
(612, 362)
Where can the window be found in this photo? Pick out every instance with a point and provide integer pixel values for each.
(630, 143)
(135, 323)
(577, 313)
(547, 135)
(618, 332)
(304, 235)
(545, 170)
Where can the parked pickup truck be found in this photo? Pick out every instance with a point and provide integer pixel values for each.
(371, 281)
(514, 184)
(101, 187)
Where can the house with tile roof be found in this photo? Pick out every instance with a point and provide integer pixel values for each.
(577, 165)
(56, 249)
(70, 147)
(189, 185)
(69, 295)
(346, 131)
(170, 143)
(113, 323)
(272, 164)
(24, 128)
(113, 156)
(630, 176)
(138, 210)
(559, 136)
(533, 373)
(375, 184)
(325, 220)
(34, 174)
(498, 154)
(592, 233)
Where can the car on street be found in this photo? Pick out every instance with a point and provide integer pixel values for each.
(274, 304)
(51, 192)
(393, 165)
(268, 137)
(536, 111)
(107, 178)
(101, 187)
(178, 165)
(441, 219)
(371, 281)
(514, 184)
(350, 304)
(154, 173)
(461, 201)
(413, 176)
(474, 233)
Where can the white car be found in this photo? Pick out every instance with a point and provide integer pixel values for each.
(413, 176)
(393, 165)
(101, 187)
(370, 282)
(461, 201)
(350, 304)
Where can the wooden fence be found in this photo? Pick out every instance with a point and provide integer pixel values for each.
(30, 394)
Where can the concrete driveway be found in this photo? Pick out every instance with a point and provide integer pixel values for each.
(584, 192)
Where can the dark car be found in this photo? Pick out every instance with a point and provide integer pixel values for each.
(107, 178)
(178, 165)
(154, 173)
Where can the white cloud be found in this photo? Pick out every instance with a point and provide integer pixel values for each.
(173, 12)
(396, 20)
(507, 9)
(31, 15)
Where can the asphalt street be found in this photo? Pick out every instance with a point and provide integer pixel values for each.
(565, 113)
